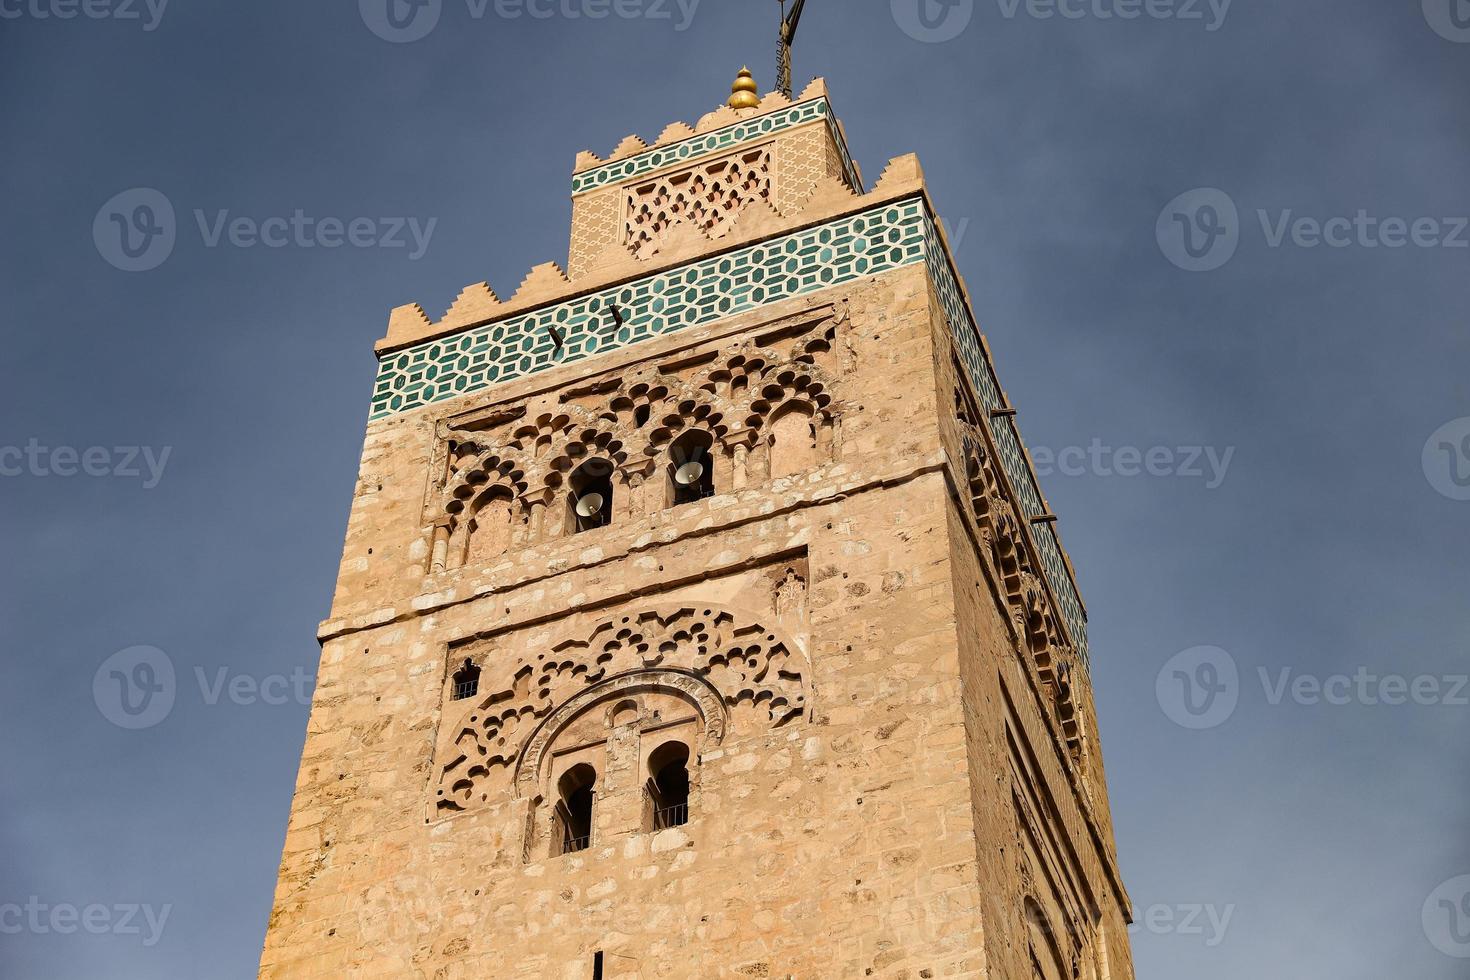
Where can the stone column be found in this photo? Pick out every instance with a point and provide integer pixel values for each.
(739, 477)
(439, 555)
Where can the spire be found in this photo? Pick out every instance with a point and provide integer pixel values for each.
(745, 94)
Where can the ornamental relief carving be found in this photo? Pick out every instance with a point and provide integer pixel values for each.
(738, 676)
(1004, 549)
(706, 198)
(757, 411)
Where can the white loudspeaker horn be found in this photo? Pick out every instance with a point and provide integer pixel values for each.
(689, 474)
(590, 505)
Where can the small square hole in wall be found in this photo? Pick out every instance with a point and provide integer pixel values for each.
(597, 965)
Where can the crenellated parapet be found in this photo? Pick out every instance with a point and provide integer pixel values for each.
(656, 246)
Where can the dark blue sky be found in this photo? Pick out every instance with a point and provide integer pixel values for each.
(1286, 838)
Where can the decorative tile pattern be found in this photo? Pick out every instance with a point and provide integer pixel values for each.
(708, 195)
(595, 227)
(720, 139)
(804, 156)
(841, 251)
(850, 248)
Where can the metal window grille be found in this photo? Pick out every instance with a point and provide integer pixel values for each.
(671, 816)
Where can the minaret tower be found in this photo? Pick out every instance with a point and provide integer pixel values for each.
(700, 614)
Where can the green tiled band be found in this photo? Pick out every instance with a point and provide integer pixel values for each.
(701, 292)
(719, 139)
(875, 241)
(1007, 436)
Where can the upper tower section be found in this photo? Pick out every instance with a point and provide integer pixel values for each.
(748, 169)
(687, 189)
(755, 204)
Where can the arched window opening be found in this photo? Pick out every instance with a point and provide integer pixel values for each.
(574, 809)
(691, 468)
(793, 441)
(466, 681)
(592, 495)
(1046, 957)
(668, 786)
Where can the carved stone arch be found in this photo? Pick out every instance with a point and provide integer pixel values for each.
(494, 468)
(534, 439)
(685, 408)
(1009, 554)
(980, 474)
(569, 448)
(635, 407)
(698, 692)
(1048, 961)
(784, 384)
(761, 675)
(734, 379)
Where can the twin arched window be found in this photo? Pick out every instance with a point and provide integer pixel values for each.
(665, 798)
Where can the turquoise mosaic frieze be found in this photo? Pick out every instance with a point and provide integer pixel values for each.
(712, 142)
(841, 251)
(1007, 437)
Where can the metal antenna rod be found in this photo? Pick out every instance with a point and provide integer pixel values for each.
(789, 24)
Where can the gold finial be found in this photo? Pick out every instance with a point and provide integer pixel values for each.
(745, 94)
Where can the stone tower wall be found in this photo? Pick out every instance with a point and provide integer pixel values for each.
(866, 637)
